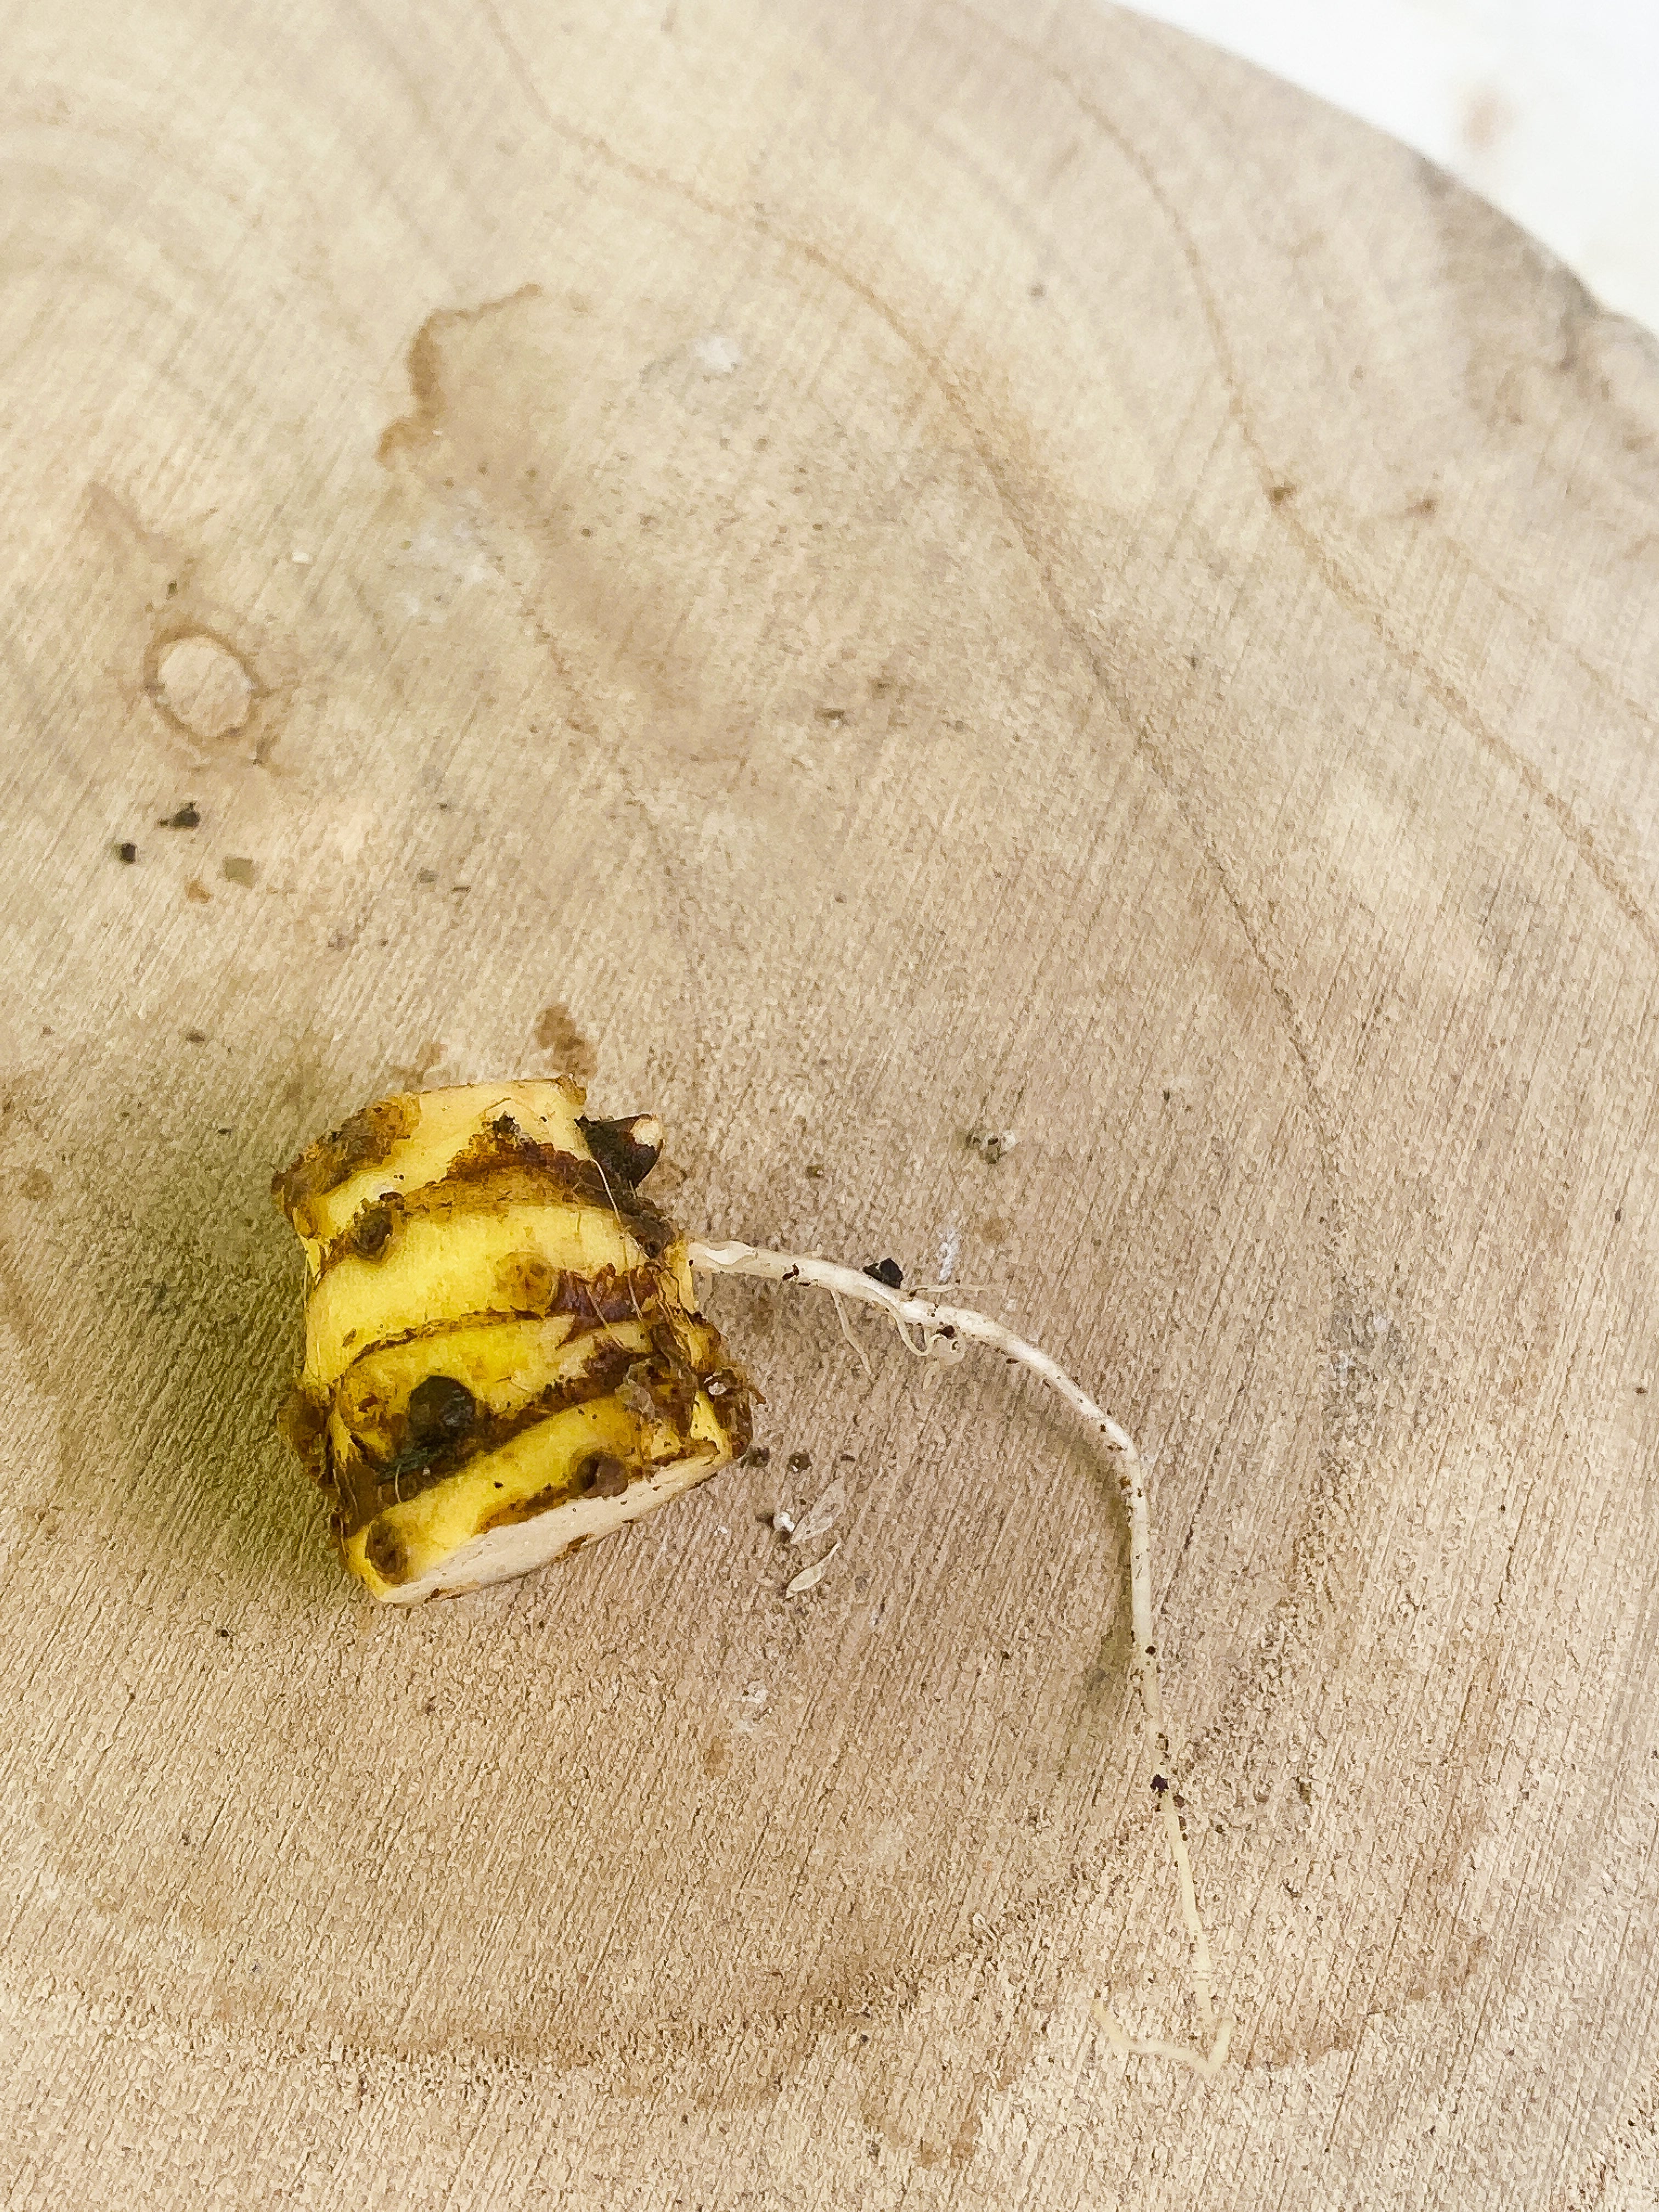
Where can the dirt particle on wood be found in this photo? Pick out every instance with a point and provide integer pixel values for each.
(126, 853)
(239, 870)
(187, 818)
(556, 1033)
(197, 892)
(991, 1144)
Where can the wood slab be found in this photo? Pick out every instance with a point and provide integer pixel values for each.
(860, 575)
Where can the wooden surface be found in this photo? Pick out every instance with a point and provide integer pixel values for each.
(863, 575)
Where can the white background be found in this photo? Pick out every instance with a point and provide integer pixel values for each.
(1550, 108)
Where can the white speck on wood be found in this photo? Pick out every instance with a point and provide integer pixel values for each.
(821, 1518)
(810, 1577)
(716, 355)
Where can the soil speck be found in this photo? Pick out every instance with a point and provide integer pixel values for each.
(991, 1144)
(556, 1033)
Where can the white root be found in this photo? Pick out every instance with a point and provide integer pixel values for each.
(847, 1331)
(933, 1331)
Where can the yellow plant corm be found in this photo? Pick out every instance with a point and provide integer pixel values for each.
(503, 1355)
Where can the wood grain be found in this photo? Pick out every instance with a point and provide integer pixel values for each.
(868, 574)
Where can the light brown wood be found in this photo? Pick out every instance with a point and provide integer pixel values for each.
(862, 574)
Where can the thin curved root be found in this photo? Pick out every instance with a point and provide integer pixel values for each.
(1209, 2062)
(933, 1331)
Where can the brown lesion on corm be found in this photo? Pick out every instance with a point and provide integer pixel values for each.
(662, 1386)
(387, 1553)
(526, 1284)
(368, 1235)
(445, 1431)
(500, 1168)
(601, 1475)
(622, 1158)
(363, 1140)
(734, 1399)
(604, 1296)
(502, 1152)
